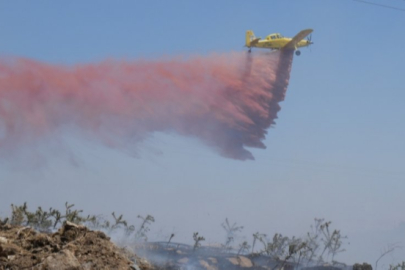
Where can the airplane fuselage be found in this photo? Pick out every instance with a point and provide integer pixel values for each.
(277, 41)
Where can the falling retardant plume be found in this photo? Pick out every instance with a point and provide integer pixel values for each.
(227, 101)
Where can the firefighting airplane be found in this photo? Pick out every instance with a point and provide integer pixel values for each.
(278, 42)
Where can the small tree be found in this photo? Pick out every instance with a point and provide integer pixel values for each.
(399, 266)
(243, 248)
(390, 248)
(258, 237)
(231, 231)
(144, 228)
(197, 240)
(170, 238)
(332, 242)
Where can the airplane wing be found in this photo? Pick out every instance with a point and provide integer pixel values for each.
(300, 36)
(254, 41)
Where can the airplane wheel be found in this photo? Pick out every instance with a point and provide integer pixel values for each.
(297, 53)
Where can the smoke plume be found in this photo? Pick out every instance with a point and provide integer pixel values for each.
(227, 101)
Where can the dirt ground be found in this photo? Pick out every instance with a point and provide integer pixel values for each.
(72, 247)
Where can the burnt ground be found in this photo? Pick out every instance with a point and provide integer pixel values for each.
(179, 256)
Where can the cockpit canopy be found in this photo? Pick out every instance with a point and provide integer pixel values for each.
(274, 36)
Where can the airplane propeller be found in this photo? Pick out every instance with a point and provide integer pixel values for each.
(310, 41)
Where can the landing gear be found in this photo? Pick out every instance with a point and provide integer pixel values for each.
(297, 53)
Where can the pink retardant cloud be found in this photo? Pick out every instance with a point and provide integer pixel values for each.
(227, 101)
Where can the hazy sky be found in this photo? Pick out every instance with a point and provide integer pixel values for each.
(337, 150)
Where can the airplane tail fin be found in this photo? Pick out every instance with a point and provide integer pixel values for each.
(249, 37)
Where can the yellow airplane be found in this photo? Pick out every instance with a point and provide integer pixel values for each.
(278, 42)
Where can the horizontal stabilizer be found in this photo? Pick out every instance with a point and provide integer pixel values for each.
(254, 41)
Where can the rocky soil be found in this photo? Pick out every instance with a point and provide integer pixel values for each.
(72, 247)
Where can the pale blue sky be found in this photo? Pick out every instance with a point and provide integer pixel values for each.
(337, 150)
